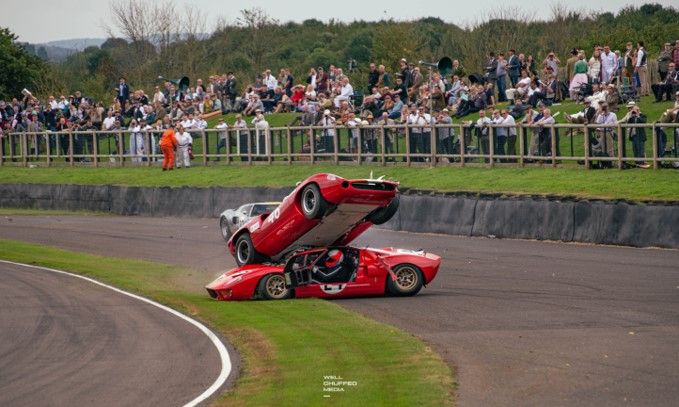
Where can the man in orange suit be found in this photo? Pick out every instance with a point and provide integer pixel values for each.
(168, 144)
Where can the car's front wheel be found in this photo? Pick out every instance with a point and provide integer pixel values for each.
(382, 215)
(245, 250)
(273, 287)
(408, 281)
(313, 204)
(224, 228)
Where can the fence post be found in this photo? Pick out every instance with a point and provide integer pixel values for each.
(463, 147)
(432, 141)
(585, 131)
(288, 144)
(121, 143)
(249, 144)
(382, 137)
(552, 134)
(359, 146)
(655, 148)
(227, 146)
(70, 148)
(95, 150)
(521, 131)
(491, 145)
(335, 143)
(2, 150)
(204, 140)
(621, 146)
(23, 141)
(312, 146)
(407, 145)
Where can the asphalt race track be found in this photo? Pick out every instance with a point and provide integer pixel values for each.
(523, 322)
(67, 342)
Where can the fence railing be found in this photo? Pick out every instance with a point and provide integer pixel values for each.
(459, 144)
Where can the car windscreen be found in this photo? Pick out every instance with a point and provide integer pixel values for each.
(260, 209)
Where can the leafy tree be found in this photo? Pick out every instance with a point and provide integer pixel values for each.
(19, 68)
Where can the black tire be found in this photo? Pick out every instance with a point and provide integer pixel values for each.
(272, 287)
(382, 215)
(245, 250)
(312, 202)
(224, 228)
(409, 281)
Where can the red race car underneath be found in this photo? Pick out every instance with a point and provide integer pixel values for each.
(324, 210)
(331, 272)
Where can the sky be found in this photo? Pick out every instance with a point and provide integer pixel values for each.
(40, 21)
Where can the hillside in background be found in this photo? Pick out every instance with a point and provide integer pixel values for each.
(257, 42)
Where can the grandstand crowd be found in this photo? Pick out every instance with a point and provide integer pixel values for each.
(601, 79)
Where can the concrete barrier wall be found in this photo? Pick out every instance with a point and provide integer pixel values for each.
(608, 222)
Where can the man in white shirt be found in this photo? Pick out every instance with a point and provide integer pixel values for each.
(242, 139)
(189, 122)
(482, 131)
(223, 134)
(508, 120)
(346, 91)
(159, 96)
(200, 123)
(640, 68)
(609, 63)
(353, 124)
(271, 82)
(545, 135)
(604, 135)
(328, 137)
(184, 141)
(262, 131)
(109, 121)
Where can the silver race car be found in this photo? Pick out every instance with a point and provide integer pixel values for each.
(232, 219)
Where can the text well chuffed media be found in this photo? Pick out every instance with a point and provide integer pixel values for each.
(335, 383)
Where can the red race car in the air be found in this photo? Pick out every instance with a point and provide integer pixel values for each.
(330, 272)
(324, 210)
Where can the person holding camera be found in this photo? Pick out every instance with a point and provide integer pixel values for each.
(604, 135)
(637, 135)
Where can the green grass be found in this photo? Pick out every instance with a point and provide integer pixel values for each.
(48, 212)
(287, 346)
(635, 184)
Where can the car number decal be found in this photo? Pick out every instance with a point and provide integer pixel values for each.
(254, 227)
(333, 288)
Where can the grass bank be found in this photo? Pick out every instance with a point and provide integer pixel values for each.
(287, 346)
(636, 184)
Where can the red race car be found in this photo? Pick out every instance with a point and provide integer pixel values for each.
(324, 210)
(330, 272)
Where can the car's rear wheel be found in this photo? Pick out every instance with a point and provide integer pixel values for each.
(224, 228)
(382, 215)
(245, 250)
(272, 287)
(313, 205)
(408, 282)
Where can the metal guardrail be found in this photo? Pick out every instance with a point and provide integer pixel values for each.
(404, 144)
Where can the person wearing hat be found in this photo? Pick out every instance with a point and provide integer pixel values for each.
(586, 115)
(667, 85)
(637, 135)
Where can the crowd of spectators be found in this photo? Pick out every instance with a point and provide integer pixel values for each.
(412, 95)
